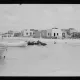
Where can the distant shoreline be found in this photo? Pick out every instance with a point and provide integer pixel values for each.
(24, 38)
(36, 39)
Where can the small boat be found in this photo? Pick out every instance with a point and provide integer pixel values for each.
(3, 49)
(31, 43)
(36, 43)
(15, 44)
(40, 43)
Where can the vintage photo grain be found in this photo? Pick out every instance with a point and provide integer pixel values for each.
(40, 40)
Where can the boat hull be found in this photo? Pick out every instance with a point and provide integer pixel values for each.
(16, 44)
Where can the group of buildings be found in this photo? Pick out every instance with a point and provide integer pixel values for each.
(54, 33)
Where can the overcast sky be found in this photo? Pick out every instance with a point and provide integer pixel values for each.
(39, 16)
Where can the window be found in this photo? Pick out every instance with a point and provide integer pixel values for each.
(54, 34)
(26, 33)
(57, 34)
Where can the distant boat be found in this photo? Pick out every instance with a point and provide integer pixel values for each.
(3, 49)
(15, 44)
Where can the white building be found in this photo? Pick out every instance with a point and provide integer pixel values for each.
(7, 35)
(56, 33)
(28, 32)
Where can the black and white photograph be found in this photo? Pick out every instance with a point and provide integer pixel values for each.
(39, 39)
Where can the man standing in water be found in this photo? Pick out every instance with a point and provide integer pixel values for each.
(54, 42)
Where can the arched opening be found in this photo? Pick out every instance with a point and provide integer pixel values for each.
(48, 34)
(26, 33)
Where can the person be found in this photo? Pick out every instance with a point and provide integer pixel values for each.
(54, 42)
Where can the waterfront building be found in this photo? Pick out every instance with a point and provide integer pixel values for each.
(27, 32)
(72, 31)
(49, 33)
(43, 33)
(36, 34)
(10, 33)
(56, 33)
(17, 34)
(31, 33)
(7, 35)
(64, 33)
(69, 33)
(24, 33)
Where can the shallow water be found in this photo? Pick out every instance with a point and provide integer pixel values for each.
(50, 60)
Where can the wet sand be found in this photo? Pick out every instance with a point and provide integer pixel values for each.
(52, 60)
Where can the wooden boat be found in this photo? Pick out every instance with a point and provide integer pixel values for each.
(15, 44)
(3, 49)
(36, 43)
(31, 43)
(40, 43)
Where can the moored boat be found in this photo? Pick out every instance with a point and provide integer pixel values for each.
(15, 44)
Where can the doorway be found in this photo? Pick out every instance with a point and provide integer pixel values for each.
(54, 34)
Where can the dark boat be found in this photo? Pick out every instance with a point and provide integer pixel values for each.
(43, 44)
(40, 43)
(30, 43)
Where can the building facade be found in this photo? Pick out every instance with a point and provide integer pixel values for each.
(68, 33)
(17, 34)
(25, 33)
(36, 34)
(7, 35)
(72, 32)
(31, 34)
(56, 33)
(43, 33)
(49, 33)
(10, 33)
(64, 34)
(28, 32)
